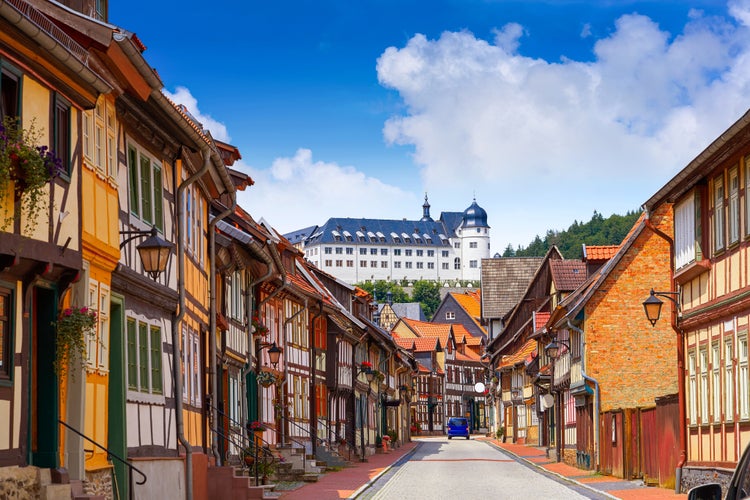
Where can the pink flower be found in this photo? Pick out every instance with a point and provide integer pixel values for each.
(68, 312)
(84, 309)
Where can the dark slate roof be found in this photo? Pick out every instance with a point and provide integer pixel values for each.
(300, 235)
(475, 216)
(452, 220)
(411, 310)
(567, 275)
(381, 231)
(504, 282)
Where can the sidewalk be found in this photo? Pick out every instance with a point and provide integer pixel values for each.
(344, 483)
(608, 485)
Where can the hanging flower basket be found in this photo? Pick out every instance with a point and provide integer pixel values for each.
(366, 365)
(29, 166)
(258, 327)
(266, 379)
(74, 324)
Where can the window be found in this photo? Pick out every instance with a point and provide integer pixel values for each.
(362, 263)
(146, 196)
(444, 253)
(407, 253)
(715, 382)
(6, 350)
(363, 251)
(349, 263)
(397, 251)
(408, 265)
(420, 253)
(374, 263)
(61, 132)
(349, 251)
(397, 265)
(384, 264)
(144, 354)
(97, 345)
(693, 390)
(10, 89)
(194, 210)
(719, 213)
(473, 264)
(742, 379)
(445, 265)
(728, 380)
(457, 244)
(327, 250)
(373, 251)
(734, 207)
(328, 262)
(235, 296)
(457, 263)
(383, 251)
(339, 262)
(430, 253)
(685, 227)
(420, 265)
(430, 265)
(704, 384)
(339, 251)
(191, 366)
(472, 244)
(450, 315)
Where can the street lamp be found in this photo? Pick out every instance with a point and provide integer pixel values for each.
(274, 353)
(553, 348)
(370, 376)
(154, 251)
(652, 305)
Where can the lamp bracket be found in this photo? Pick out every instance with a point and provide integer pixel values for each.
(668, 295)
(136, 234)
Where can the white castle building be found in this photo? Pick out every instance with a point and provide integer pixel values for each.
(357, 250)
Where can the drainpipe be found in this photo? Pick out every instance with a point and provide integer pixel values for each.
(313, 368)
(249, 305)
(597, 395)
(284, 383)
(177, 320)
(213, 368)
(680, 356)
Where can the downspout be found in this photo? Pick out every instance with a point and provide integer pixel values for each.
(597, 395)
(680, 356)
(313, 369)
(213, 366)
(249, 305)
(177, 320)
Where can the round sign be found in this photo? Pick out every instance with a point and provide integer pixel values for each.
(479, 387)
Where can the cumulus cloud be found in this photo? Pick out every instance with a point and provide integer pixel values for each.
(479, 113)
(183, 96)
(299, 191)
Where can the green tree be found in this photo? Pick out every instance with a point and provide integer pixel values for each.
(379, 289)
(509, 252)
(427, 293)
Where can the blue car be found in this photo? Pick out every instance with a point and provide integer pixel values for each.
(458, 427)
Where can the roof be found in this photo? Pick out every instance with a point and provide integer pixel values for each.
(383, 231)
(471, 340)
(519, 356)
(411, 310)
(599, 252)
(299, 235)
(469, 303)
(540, 319)
(567, 275)
(419, 344)
(504, 281)
(468, 356)
(438, 330)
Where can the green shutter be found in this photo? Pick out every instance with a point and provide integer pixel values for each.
(158, 199)
(132, 356)
(133, 173)
(146, 192)
(156, 384)
(143, 346)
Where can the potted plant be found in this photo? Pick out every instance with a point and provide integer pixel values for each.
(256, 426)
(258, 327)
(73, 325)
(266, 378)
(366, 365)
(248, 454)
(29, 165)
(267, 465)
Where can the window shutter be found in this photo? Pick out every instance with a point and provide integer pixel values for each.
(146, 193)
(133, 172)
(143, 344)
(156, 383)
(158, 198)
(132, 356)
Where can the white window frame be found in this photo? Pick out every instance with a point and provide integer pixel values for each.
(703, 381)
(97, 344)
(716, 382)
(729, 379)
(145, 387)
(743, 398)
(684, 232)
(693, 388)
(135, 174)
(734, 206)
(719, 215)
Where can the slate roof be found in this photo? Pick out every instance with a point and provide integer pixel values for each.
(504, 281)
(567, 275)
(298, 236)
(412, 310)
(383, 231)
(599, 252)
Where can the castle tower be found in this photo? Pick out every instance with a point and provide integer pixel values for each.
(474, 234)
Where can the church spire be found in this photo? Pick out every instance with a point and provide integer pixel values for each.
(426, 210)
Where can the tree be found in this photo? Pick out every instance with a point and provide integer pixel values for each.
(509, 252)
(379, 289)
(427, 293)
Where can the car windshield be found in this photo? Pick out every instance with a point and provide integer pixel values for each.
(458, 422)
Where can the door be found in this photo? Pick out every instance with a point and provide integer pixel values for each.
(117, 393)
(44, 395)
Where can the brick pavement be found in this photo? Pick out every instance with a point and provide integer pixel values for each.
(345, 482)
(613, 486)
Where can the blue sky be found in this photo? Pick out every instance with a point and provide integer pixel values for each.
(543, 110)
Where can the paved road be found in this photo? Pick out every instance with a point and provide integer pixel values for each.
(461, 469)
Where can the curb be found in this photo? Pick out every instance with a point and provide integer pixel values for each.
(552, 473)
(398, 462)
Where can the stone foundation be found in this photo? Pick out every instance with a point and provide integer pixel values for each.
(99, 482)
(696, 476)
(19, 483)
(570, 457)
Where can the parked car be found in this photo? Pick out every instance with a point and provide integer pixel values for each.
(739, 486)
(458, 427)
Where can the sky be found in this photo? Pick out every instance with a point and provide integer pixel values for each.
(544, 111)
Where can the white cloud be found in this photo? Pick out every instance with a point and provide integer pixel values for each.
(299, 191)
(480, 113)
(183, 96)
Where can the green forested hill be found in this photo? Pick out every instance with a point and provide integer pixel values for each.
(597, 231)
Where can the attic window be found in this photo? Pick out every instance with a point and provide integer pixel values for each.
(336, 235)
(361, 236)
(406, 238)
(348, 236)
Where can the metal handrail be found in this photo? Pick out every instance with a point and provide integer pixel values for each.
(253, 449)
(308, 431)
(130, 466)
(238, 424)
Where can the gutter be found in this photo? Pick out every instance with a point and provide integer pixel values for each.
(177, 319)
(597, 394)
(213, 366)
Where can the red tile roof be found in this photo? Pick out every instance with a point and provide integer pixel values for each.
(541, 319)
(600, 252)
(469, 356)
(426, 329)
(419, 344)
(519, 356)
(567, 275)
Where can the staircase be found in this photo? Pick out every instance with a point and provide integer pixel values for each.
(297, 465)
(225, 482)
(55, 484)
